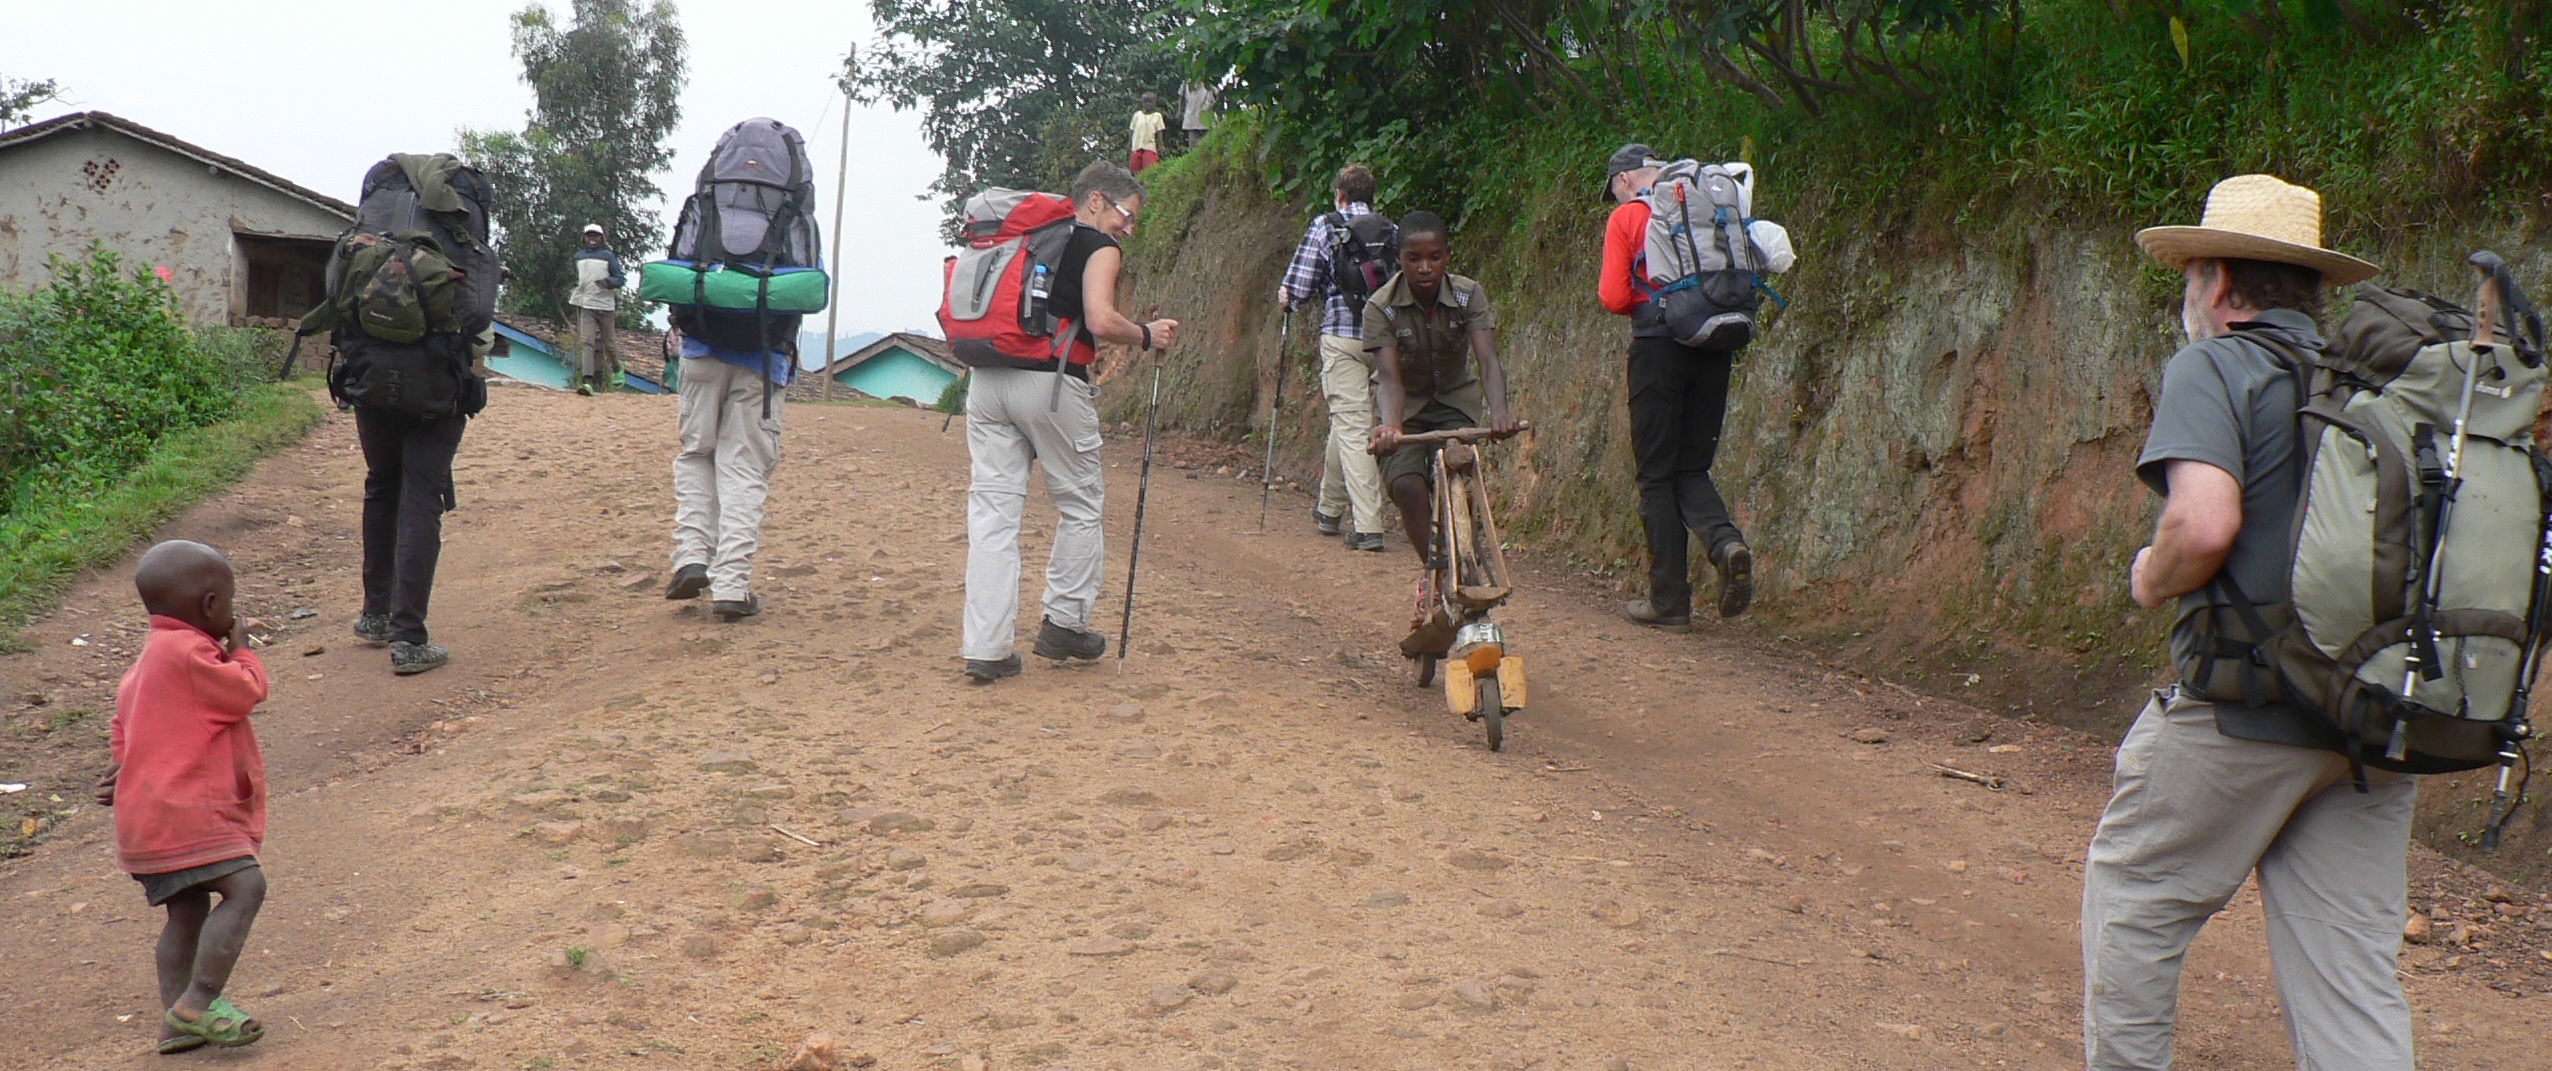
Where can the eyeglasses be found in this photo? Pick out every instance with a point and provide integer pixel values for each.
(1121, 209)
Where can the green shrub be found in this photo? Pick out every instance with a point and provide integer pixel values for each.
(95, 367)
(952, 398)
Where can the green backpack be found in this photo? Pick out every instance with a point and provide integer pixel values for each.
(2417, 595)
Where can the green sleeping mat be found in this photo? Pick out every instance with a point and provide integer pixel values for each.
(678, 282)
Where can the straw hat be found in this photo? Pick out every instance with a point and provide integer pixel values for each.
(2257, 217)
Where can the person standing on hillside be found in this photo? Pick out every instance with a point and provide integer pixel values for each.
(1197, 116)
(2208, 794)
(1146, 128)
(1018, 418)
(1678, 400)
(597, 304)
(1350, 478)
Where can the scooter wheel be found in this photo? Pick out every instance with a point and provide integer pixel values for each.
(1426, 670)
(1493, 713)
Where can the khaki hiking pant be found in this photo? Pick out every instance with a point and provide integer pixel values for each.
(2195, 813)
(723, 472)
(1014, 421)
(597, 343)
(1350, 478)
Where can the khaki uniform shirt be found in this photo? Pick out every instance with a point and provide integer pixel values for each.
(1434, 340)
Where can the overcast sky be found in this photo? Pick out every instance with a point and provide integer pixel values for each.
(283, 85)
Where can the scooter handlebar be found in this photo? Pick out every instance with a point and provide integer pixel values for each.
(1458, 435)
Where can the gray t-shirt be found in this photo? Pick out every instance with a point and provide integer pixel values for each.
(2231, 403)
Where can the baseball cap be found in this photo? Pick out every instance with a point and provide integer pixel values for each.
(1629, 157)
(593, 228)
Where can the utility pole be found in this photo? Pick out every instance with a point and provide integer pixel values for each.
(841, 178)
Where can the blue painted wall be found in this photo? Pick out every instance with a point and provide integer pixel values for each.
(531, 360)
(528, 359)
(898, 373)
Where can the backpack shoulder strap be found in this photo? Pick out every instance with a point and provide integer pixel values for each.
(1336, 230)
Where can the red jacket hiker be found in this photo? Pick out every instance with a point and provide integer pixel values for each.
(1624, 284)
(192, 787)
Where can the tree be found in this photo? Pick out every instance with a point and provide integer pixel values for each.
(606, 94)
(19, 97)
(1021, 93)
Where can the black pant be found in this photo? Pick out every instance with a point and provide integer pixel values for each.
(1678, 398)
(407, 485)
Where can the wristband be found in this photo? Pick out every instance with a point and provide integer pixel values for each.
(1147, 335)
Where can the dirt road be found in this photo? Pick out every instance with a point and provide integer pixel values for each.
(616, 833)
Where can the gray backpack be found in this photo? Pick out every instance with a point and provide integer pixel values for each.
(754, 204)
(1700, 263)
(752, 211)
(2417, 589)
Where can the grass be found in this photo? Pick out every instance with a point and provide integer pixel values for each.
(47, 542)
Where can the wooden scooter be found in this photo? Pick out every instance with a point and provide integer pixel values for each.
(1482, 682)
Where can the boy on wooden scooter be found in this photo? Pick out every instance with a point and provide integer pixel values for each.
(1424, 327)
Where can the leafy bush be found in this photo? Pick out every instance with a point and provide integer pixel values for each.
(2402, 114)
(96, 366)
(952, 398)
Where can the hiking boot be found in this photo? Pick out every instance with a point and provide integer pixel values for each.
(1736, 579)
(734, 610)
(1365, 541)
(1642, 612)
(1327, 524)
(1057, 642)
(373, 629)
(979, 671)
(688, 582)
(409, 659)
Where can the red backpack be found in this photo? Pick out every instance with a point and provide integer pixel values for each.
(994, 308)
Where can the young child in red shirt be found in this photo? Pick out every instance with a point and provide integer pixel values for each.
(189, 788)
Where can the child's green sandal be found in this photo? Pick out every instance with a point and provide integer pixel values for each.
(180, 1043)
(222, 1024)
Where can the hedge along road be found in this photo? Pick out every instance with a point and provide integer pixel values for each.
(587, 842)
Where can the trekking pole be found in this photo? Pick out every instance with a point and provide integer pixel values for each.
(2516, 729)
(1275, 405)
(2422, 660)
(1142, 490)
(2495, 287)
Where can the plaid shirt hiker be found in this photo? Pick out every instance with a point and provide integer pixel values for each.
(1307, 277)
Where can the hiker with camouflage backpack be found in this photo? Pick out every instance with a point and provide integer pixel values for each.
(410, 303)
(2350, 530)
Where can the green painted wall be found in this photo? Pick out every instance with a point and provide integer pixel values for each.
(898, 373)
